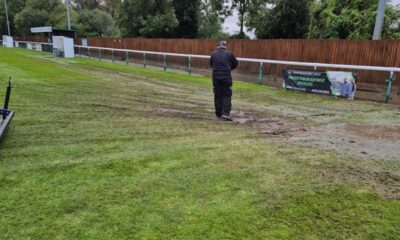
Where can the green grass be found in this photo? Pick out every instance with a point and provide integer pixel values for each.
(90, 155)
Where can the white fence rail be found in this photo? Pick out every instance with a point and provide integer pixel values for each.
(252, 60)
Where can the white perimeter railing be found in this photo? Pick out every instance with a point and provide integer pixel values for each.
(390, 70)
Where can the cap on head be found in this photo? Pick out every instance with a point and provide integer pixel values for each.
(222, 44)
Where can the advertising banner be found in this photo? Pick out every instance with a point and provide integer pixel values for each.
(341, 84)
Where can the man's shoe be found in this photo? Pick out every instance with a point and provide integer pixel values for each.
(227, 118)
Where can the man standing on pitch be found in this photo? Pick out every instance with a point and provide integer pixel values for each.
(222, 63)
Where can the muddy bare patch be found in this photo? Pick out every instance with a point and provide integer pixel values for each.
(336, 137)
(269, 126)
(177, 113)
(375, 132)
(108, 106)
(167, 111)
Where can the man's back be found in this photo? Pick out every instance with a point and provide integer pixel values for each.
(223, 60)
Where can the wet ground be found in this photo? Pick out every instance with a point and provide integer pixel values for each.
(366, 134)
(358, 140)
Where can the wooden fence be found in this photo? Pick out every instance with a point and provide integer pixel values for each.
(383, 53)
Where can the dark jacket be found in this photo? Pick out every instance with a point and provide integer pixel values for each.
(222, 63)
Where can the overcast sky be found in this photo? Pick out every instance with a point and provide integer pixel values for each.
(232, 27)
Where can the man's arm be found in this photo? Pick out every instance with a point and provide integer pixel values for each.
(234, 62)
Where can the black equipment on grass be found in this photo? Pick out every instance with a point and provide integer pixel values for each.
(7, 114)
(5, 111)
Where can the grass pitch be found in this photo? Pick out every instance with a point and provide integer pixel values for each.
(103, 151)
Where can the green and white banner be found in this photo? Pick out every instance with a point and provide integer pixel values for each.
(341, 84)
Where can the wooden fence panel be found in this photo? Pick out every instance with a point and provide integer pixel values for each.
(368, 53)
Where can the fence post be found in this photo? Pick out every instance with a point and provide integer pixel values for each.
(190, 66)
(398, 88)
(112, 52)
(100, 54)
(127, 58)
(79, 51)
(89, 52)
(165, 63)
(144, 59)
(315, 68)
(389, 87)
(260, 73)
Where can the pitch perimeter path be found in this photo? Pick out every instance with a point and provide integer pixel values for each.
(103, 151)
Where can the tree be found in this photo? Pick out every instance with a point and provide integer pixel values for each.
(96, 23)
(391, 27)
(187, 13)
(349, 19)
(40, 13)
(14, 7)
(212, 15)
(111, 6)
(342, 19)
(86, 4)
(152, 18)
(279, 18)
(242, 6)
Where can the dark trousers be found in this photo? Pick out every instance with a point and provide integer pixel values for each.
(222, 96)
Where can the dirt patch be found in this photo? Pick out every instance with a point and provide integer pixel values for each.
(360, 141)
(270, 126)
(177, 113)
(113, 107)
(375, 132)
(336, 137)
(168, 111)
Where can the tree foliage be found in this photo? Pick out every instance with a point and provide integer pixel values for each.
(391, 27)
(86, 4)
(96, 23)
(348, 19)
(187, 13)
(212, 15)
(38, 13)
(320, 19)
(278, 18)
(109, 6)
(14, 7)
(242, 6)
(152, 18)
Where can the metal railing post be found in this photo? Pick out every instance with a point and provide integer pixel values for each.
(144, 59)
(100, 54)
(165, 63)
(112, 52)
(127, 58)
(398, 88)
(389, 87)
(190, 66)
(260, 73)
